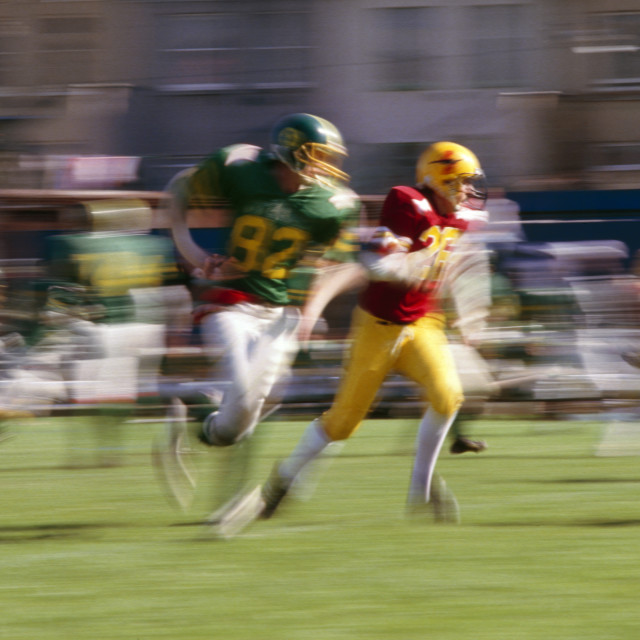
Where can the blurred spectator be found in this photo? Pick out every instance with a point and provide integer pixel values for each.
(110, 292)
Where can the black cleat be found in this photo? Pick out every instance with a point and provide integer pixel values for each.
(273, 492)
(462, 445)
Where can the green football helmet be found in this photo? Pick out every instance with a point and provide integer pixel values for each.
(311, 146)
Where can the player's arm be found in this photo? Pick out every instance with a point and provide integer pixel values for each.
(467, 281)
(201, 186)
(386, 254)
(338, 271)
(386, 258)
(330, 281)
(179, 193)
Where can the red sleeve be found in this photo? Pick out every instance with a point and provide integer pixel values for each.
(399, 211)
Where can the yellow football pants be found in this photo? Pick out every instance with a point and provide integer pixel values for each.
(418, 351)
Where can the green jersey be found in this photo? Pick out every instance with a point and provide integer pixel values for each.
(271, 229)
(100, 270)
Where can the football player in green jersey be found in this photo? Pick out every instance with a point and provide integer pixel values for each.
(282, 200)
(111, 291)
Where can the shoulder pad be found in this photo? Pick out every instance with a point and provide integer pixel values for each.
(240, 153)
(418, 200)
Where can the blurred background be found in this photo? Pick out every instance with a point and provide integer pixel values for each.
(545, 92)
(102, 97)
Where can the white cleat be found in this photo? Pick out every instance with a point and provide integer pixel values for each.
(443, 502)
(239, 513)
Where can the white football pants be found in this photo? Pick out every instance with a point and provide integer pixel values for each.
(256, 343)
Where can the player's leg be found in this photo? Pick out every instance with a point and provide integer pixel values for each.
(258, 345)
(460, 442)
(426, 359)
(370, 358)
(251, 346)
(374, 348)
(107, 381)
(477, 383)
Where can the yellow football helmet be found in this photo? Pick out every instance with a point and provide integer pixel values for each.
(454, 172)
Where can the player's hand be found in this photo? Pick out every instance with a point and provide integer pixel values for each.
(219, 268)
(305, 328)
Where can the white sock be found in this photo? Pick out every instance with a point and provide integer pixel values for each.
(431, 435)
(311, 444)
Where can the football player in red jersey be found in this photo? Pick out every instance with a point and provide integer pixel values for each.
(398, 325)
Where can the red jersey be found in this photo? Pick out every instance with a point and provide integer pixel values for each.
(413, 213)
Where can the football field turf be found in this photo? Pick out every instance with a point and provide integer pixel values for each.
(548, 548)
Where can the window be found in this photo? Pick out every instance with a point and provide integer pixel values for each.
(612, 42)
(379, 166)
(497, 37)
(615, 156)
(14, 36)
(423, 48)
(406, 48)
(226, 51)
(67, 49)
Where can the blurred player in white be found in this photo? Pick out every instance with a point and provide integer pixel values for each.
(398, 325)
(282, 200)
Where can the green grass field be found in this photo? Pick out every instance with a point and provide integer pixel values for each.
(548, 547)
